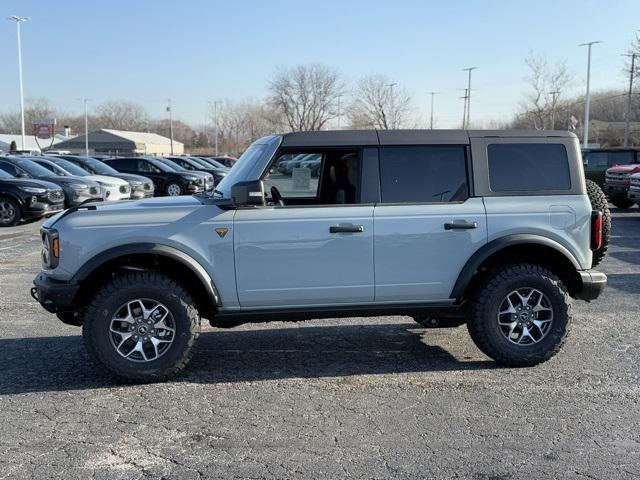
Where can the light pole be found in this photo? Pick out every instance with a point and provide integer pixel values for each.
(391, 105)
(468, 69)
(18, 21)
(433, 94)
(170, 110)
(86, 127)
(587, 98)
(626, 121)
(215, 122)
(554, 97)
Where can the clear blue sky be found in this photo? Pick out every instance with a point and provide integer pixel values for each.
(194, 51)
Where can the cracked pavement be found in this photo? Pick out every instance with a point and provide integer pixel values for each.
(357, 398)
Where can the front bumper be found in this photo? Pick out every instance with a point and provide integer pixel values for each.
(593, 283)
(634, 194)
(616, 190)
(54, 295)
(41, 209)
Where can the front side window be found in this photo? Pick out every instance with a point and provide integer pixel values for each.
(425, 174)
(295, 175)
(528, 167)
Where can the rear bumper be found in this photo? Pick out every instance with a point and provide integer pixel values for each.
(593, 283)
(54, 295)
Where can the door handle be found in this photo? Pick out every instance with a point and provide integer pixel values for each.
(460, 225)
(346, 228)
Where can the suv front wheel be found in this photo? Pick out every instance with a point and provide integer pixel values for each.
(141, 326)
(521, 316)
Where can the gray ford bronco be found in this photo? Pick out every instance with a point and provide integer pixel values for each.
(494, 229)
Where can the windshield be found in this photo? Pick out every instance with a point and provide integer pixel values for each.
(97, 167)
(53, 168)
(213, 162)
(172, 165)
(200, 163)
(34, 169)
(250, 159)
(161, 165)
(70, 167)
(5, 175)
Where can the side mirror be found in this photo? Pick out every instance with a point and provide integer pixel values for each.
(248, 193)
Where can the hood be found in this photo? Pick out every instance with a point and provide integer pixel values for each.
(69, 180)
(633, 168)
(25, 182)
(107, 179)
(130, 177)
(137, 214)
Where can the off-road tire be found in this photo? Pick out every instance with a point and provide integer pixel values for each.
(16, 208)
(483, 310)
(621, 202)
(132, 285)
(599, 203)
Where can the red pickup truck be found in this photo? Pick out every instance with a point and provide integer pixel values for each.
(617, 184)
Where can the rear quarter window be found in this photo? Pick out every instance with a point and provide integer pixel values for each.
(528, 167)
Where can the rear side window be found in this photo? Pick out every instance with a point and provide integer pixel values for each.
(122, 163)
(423, 174)
(528, 167)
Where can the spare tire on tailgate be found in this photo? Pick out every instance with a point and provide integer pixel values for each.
(599, 203)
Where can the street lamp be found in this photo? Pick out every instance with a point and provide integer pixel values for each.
(215, 104)
(391, 106)
(19, 20)
(170, 110)
(585, 140)
(468, 95)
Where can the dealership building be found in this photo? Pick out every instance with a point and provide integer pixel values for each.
(119, 142)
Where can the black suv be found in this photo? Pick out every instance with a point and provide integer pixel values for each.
(141, 187)
(76, 189)
(167, 181)
(27, 199)
(195, 164)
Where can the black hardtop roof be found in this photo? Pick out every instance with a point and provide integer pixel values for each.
(340, 138)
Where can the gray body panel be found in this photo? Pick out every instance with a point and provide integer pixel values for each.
(286, 257)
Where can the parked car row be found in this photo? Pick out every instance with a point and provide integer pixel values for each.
(35, 186)
(617, 171)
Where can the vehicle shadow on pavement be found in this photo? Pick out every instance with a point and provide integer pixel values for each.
(60, 363)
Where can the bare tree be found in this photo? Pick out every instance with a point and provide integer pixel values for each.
(240, 123)
(547, 86)
(35, 109)
(379, 103)
(305, 96)
(120, 115)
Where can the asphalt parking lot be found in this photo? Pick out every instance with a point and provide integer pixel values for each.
(359, 398)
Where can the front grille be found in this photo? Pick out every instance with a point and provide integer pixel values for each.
(94, 191)
(55, 196)
(124, 189)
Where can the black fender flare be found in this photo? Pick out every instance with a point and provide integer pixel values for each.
(151, 249)
(501, 243)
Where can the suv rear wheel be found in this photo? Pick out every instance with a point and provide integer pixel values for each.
(141, 326)
(521, 316)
